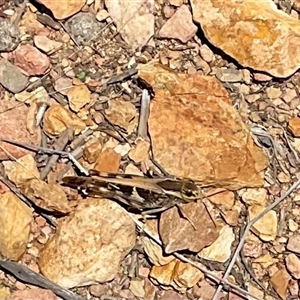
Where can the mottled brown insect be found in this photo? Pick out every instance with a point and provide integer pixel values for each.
(139, 192)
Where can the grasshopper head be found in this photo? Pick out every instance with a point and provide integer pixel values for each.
(190, 191)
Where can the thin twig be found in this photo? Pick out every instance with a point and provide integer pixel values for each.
(60, 145)
(20, 12)
(144, 115)
(247, 229)
(47, 150)
(27, 275)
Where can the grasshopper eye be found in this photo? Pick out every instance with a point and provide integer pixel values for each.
(190, 191)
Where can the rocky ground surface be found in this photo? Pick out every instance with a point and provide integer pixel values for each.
(203, 90)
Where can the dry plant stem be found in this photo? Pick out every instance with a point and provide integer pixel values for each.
(144, 115)
(81, 139)
(181, 257)
(47, 150)
(20, 12)
(27, 275)
(77, 153)
(247, 229)
(60, 145)
(40, 113)
(70, 35)
(120, 77)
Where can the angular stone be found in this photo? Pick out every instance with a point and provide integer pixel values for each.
(180, 26)
(31, 60)
(265, 227)
(9, 33)
(11, 77)
(294, 243)
(177, 274)
(63, 9)
(108, 161)
(193, 232)
(46, 45)
(15, 220)
(13, 124)
(255, 33)
(280, 281)
(229, 75)
(192, 122)
(122, 113)
(134, 20)
(294, 126)
(57, 119)
(292, 262)
(220, 249)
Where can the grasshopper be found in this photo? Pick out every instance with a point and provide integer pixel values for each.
(138, 192)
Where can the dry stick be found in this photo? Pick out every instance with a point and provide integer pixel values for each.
(76, 153)
(27, 275)
(247, 229)
(181, 257)
(47, 150)
(81, 139)
(60, 145)
(20, 12)
(144, 115)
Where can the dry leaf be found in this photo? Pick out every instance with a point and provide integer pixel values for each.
(50, 197)
(22, 170)
(15, 220)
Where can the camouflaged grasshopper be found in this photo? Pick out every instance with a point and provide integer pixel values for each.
(139, 192)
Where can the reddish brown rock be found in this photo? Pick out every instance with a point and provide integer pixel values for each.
(193, 232)
(180, 26)
(13, 126)
(63, 9)
(92, 151)
(255, 33)
(33, 294)
(280, 281)
(196, 132)
(108, 161)
(31, 60)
